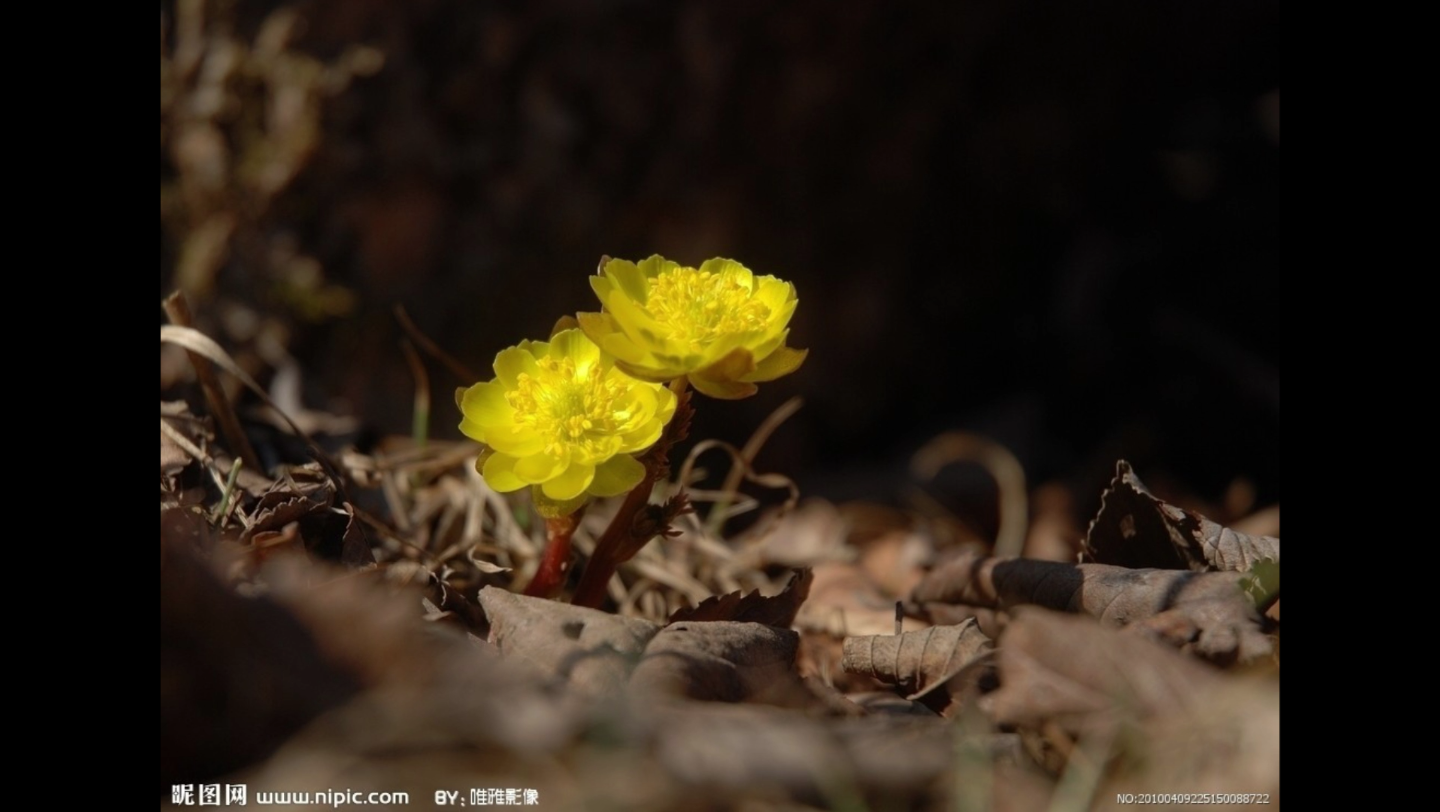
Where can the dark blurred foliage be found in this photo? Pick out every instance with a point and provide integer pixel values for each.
(1052, 223)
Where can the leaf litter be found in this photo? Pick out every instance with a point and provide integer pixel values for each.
(353, 619)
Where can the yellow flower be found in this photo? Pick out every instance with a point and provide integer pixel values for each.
(720, 325)
(559, 416)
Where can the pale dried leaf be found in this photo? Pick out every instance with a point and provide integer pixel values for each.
(1088, 678)
(590, 650)
(915, 661)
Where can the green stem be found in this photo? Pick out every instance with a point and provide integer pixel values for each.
(234, 475)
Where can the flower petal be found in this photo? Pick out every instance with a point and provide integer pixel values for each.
(578, 347)
(597, 325)
(722, 379)
(632, 318)
(773, 293)
(570, 483)
(641, 437)
(621, 347)
(730, 270)
(515, 440)
(510, 363)
(542, 467)
(654, 265)
(484, 406)
(499, 473)
(783, 361)
(617, 475)
(654, 373)
(629, 279)
(723, 390)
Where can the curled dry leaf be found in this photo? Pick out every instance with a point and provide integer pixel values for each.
(916, 661)
(1215, 617)
(307, 496)
(590, 650)
(775, 610)
(1136, 529)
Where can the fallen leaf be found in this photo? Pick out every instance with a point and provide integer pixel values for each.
(809, 535)
(237, 675)
(916, 661)
(720, 661)
(896, 560)
(775, 610)
(1053, 534)
(590, 650)
(1136, 529)
(844, 602)
(881, 761)
(1221, 622)
(1088, 678)
(992, 621)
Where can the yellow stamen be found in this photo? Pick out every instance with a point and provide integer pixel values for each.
(698, 307)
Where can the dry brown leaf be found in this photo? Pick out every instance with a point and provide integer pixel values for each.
(1136, 529)
(1188, 724)
(237, 675)
(1229, 738)
(1053, 534)
(721, 661)
(844, 602)
(774, 610)
(1222, 622)
(1071, 670)
(306, 497)
(811, 534)
(590, 650)
(915, 661)
(896, 560)
(882, 761)
(992, 621)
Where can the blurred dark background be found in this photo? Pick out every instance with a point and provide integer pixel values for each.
(1055, 224)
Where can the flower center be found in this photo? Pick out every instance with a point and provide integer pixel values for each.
(697, 307)
(569, 406)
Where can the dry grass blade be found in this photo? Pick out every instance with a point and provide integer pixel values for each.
(178, 310)
(775, 481)
(420, 418)
(459, 370)
(195, 341)
(752, 447)
(1003, 467)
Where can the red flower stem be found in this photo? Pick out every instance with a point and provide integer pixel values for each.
(629, 531)
(550, 575)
